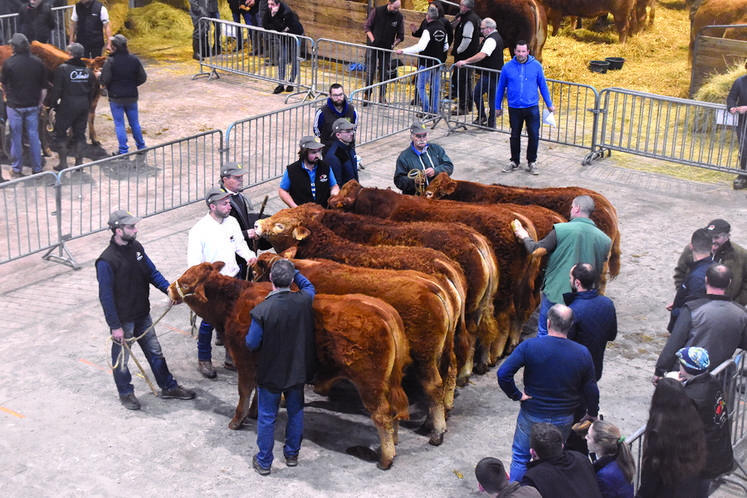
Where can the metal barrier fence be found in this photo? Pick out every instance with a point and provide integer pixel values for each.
(575, 105)
(352, 65)
(256, 53)
(44, 211)
(59, 36)
(268, 143)
(734, 386)
(677, 130)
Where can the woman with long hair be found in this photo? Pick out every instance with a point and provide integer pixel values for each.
(674, 448)
(614, 466)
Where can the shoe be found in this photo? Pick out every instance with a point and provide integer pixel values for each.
(206, 369)
(365, 103)
(288, 88)
(291, 461)
(533, 169)
(278, 89)
(740, 183)
(3, 180)
(218, 339)
(16, 174)
(177, 392)
(260, 470)
(228, 364)
(459, 112)
(60, 167)
(480, 121)
(129, 401)
(512, 166)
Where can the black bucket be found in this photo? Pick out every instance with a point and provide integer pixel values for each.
(599, 66)
(615, 63)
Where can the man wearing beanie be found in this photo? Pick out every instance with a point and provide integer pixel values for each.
(121, 75)
(706, 393)
(24, 80)
(723, 251)
(492, 478)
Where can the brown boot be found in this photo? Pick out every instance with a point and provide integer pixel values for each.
(206, 369)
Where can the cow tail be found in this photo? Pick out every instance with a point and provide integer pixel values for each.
(397, 398)
(538, 34)
(614, 261)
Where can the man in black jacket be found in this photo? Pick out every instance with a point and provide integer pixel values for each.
(74, 88)
(36, 20)
(706, 393)
(385, 29)
(282, 331)
(90, 27)
(231, 181)
(282, 19)
(466, 44)
(201, 34)
(341, 155)
(309, 179)
(736, 103)
(121, 75)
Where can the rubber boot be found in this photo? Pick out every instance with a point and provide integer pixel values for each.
(195, 49)
(79, 153)
(63, 158)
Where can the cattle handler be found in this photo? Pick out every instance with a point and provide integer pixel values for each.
(124, 272)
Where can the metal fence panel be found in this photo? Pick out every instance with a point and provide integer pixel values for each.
(267, 143)
(678, 130)
(281, 58)
(59, 36)
(28, 224)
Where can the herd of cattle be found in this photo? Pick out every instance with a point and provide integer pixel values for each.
(439, 284)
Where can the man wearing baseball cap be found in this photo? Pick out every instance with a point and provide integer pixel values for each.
(216, 237)
(723, 251)
(309, 179)
(231, 181)
(341, 154)
(709, 398)
(418, 164)
(124, 273)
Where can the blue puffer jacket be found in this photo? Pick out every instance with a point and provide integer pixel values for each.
(522, 81)
(611, 480)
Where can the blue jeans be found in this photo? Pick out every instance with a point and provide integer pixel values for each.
(432, 79)
(517, 118)
(118, 114)
(545, 306)
(520, 455)
(17, 119)
(268, 403)
(152, 351)
(488, 83)
(204, 338)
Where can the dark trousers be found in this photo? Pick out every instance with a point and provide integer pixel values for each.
(487, 83)
(517, 118)
(461, 83)
(381, 60)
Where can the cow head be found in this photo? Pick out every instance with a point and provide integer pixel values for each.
(347, 196)
(440, 187)
(191, 283)
(285, 229)
(261, 267)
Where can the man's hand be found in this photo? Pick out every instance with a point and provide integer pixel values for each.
(498, 113)
(519, 230)
(524, 397)
(118, 335)
(552, 108)
(738, 109)
(251, 261)
(670, 306)
(430, 172)
(252, 234)
(655, 379)
(588, 418)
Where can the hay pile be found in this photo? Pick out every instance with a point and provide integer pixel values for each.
(717, 86)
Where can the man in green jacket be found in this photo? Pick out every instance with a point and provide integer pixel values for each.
(568, 244)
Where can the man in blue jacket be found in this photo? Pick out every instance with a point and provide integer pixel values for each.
(522, 76)
(341, 155)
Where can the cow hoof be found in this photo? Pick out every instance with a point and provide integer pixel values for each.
(384, 465)
(436, 439)
(234, 425)
(95, 143)
(480, 369)
(462, 381)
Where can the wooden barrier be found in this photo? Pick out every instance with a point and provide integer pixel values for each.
(714, 55)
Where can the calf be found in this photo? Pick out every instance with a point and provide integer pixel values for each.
(357, 337)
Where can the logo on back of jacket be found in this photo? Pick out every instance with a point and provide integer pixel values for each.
(79, 75)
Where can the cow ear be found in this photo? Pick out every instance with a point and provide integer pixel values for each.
(199, 293)
(300, 233)
(218, 265)
(289, 253)
(450, 186)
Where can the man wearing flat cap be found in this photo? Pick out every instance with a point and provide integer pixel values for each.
(216, 237)
(231, 181)
(124, 273)
(707, 394)
(309, 179)
(418, 164)
(341, 155)
(723, 251)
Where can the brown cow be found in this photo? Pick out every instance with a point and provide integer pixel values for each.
(719, 12)
(290, 228)
(643, 10)
(459, 242)
(557, 199)
(518, 269)
(52, 57)
(358, 337)
(517, 20)
(416, 297)
(622, 10)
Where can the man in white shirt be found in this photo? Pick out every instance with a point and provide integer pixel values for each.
(216, 237)
(89, 26)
